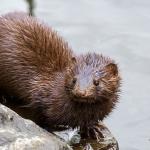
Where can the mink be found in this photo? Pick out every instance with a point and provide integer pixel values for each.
(43, 80)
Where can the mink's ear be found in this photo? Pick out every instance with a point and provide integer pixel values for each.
(73, 62)
(73, 59)
(112, 69)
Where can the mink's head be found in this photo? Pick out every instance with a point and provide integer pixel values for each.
(87, 88)
(92, 78)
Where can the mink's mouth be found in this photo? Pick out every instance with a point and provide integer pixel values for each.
(84, 100)
(98, 99)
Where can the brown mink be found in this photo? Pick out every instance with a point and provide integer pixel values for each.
(46, 83)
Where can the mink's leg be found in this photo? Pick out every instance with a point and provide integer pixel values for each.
(93, 131)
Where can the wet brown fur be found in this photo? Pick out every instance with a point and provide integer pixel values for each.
(37, 69)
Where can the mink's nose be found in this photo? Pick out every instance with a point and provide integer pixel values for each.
(82, 93)
(79, 93)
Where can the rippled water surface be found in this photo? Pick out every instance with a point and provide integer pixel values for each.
(117, 28)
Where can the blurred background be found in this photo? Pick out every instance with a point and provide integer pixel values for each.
(119, 29)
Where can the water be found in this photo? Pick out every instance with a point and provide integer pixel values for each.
(117, 28)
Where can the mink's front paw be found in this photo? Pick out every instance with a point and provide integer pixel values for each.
(93, 131)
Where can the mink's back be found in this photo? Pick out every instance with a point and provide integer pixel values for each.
(30, 51)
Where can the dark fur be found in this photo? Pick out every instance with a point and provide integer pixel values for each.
(38, 69)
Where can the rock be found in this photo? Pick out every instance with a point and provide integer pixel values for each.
(106, 142)
(17, 133)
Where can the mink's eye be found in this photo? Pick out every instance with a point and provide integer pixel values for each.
(70, 84)
(95, 82)
(74, 80)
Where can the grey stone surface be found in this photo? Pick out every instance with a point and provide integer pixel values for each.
(17, 133)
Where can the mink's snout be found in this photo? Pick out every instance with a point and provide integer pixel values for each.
(79, 93)
(83, 94)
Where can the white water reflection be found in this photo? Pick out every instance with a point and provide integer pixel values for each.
(117, 28)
